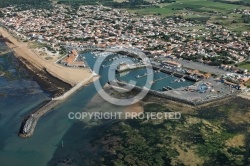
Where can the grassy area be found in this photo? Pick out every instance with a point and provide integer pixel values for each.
(34, 45)
(245, 65)
(154, 10)
(248, 84)
(218, 12)
(192, 5)
(202, 137)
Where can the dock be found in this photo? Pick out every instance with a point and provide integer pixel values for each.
(127, 67)
(171, 97)
(144, 75)
(158, 80)
(176, 74)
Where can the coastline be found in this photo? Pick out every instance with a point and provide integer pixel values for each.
(48, 82)
(31, 60)
(59, 80)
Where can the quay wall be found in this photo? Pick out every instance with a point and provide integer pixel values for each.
(177, 74)
(130, 68)
(166, 96)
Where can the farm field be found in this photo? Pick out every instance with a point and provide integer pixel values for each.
(192, 5)
(215, 12)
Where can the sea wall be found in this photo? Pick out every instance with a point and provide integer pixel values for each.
(166, 96)
(75, 88)
(29, 123)
(131, 67)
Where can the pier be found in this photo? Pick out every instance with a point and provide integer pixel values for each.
(29, 123)
(127, 67)
(144, 75)
(167, 88)
(176, 74)
(134, 54)
(158, 80)
(174, 98)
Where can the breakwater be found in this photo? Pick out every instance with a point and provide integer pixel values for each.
(166, 96)
(129, 67)
(29, 123)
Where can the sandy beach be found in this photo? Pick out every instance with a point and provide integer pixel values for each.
(71, 76)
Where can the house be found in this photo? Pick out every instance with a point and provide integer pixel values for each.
(71, 60)
(172, 63)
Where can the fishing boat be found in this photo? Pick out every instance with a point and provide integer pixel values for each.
(170, 88)
(164, 89)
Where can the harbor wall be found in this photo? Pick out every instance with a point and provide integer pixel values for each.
(166, 96)
(27, 129)
(130, 68)
(177, 74)
(29, 123)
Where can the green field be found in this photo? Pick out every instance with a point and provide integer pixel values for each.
(245, 66)
(191, 5)
(201, 10)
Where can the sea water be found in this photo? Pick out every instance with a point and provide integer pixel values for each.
(20, 95)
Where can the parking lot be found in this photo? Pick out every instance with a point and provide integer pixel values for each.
(216, 89)
(198, 66)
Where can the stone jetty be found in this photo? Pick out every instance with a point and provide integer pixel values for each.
(29, 123)
(162, 95)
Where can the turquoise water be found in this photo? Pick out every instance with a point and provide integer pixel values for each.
(162, 79)
(20, 94)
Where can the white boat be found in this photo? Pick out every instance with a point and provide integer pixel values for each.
(183, 79)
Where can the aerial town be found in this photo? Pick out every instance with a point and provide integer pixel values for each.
(66, 64)
(160, 38)
(101, 26)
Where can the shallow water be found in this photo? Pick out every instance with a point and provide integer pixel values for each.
(20, 95)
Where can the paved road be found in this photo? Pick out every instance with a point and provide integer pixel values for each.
(202, 67)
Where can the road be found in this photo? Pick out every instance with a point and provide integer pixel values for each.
(201, 67)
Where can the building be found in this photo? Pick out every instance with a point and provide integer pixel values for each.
(71, 60)
(172, 63)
